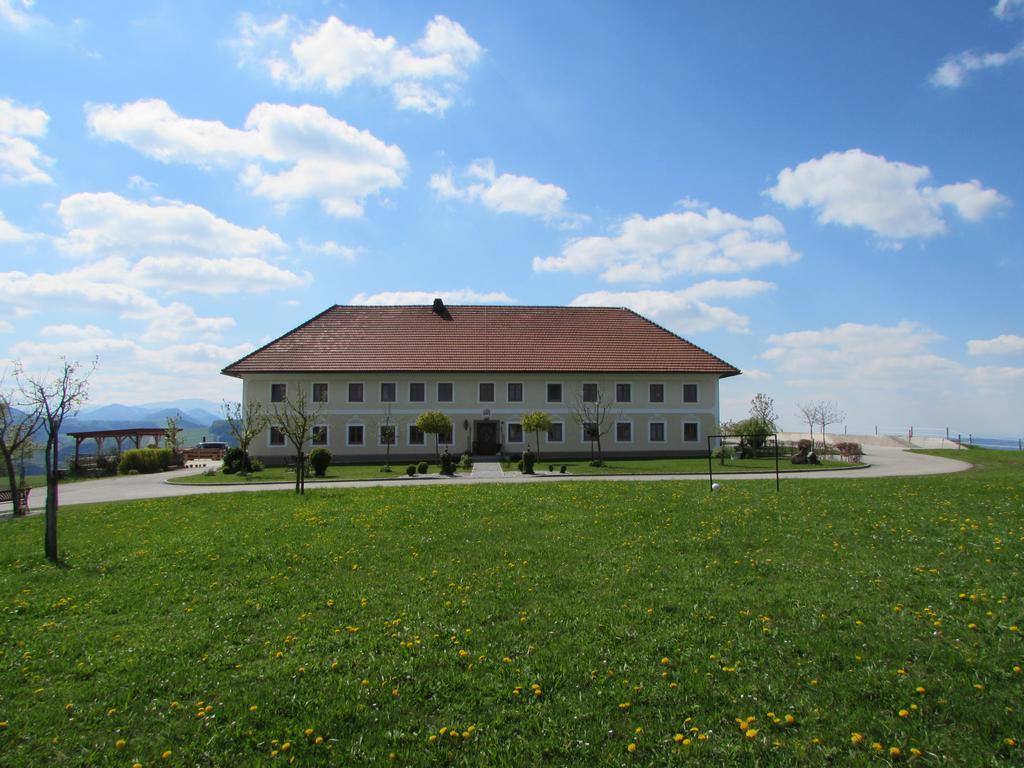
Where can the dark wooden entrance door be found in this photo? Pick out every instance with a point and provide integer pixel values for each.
(486, 443)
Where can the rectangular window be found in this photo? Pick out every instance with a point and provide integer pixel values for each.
(417, 392)
(689, 393)
(276, 436)
(656, 432)
(319, 435)
(623, 393)
(387, 391)
(554, 393)
(355, 392)
(515, 392)
(278, 393)
(387, 434)
(623, 432)
(319, 393)
(691, 432)
(556, 432)
(415, 435)
(656, 393)
(486, 392)
(590, 431)
(355, 434)
(590, 393)
(515, 433)
(445, 392)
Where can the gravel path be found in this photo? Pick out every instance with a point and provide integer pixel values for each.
(883, 462)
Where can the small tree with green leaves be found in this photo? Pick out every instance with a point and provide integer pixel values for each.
(536, 422)
(16, 431)
(434, 423)
(172, 437)
(295, 419)
(245, 423)
(762, 408)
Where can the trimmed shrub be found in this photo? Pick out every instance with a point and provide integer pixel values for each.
(804, 445)
(423, 467)
(467, 461)
(528, 461)
(145, 460)
(234, 461)
(562, 469)
(255, 465)
(319, 459)
(410, 470)
(447, 464)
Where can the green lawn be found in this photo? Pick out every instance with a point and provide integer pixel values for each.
(687, 466)
(283, 474)
(553, 624)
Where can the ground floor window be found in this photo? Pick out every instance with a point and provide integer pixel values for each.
(276, 436)
(355, 434)
(656, 431)
(556, 432)
(415, 435)
(515, 433)
(691, 431)
(319, 435)
(386, 435)
(623, 432)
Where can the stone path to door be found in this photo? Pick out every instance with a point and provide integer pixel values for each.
(487, 470)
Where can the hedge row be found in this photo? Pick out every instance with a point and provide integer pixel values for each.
(145, 460)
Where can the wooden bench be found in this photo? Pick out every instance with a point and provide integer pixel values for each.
(7, 495)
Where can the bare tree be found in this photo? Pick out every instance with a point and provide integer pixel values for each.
(245, 423)
(596, 418)
(296, 420)
(762, 408)
(808, 412)
(54, 398)
(17, 429)
(386, 427)
(828, 413)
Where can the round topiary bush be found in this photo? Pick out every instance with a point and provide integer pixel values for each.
(410, 470)
(423, 467)
(320, 459)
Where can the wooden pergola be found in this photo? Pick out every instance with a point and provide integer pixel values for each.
(135, 434)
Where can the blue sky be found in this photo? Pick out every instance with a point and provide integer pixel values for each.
(828, 197)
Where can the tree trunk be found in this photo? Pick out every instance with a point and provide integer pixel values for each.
(50, 544)
(12, 479)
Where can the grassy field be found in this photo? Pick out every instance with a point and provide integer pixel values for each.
(687, 466)
(589, 624)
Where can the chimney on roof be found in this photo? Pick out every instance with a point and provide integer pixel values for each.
(439, 307)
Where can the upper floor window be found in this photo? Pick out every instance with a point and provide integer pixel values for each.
(590, 393)
(656, 393)
(623, 393)
(689, 393)
(278, 393)
(445, 392)
(387, 391)
(554, 393)
(417, 392)
(319, 393)
(515, 392)
(486, 392)
(355, 392)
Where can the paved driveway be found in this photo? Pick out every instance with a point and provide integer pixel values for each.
(884, 462)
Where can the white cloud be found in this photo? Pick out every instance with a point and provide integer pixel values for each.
(455, 296)
(284, 153)
(6, 327)
(689, 242)
(1008, 9)
(20, 159)
(508, 193)
(685, 311)
(854, 188)
(105, 224)
(332, 249)
(334, 55)
(953, 72)
(10, 233)
(1006, 344)
(15, 13)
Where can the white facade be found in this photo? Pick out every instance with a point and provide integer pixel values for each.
(648, 414)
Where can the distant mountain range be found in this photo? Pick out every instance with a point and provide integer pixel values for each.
(194, 413)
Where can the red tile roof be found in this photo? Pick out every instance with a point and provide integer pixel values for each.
(478, 338)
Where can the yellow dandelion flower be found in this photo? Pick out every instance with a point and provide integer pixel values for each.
(308, 732)
(318, 740)
(877, 746)
(920, 689)
(166, 754)
(895, 752)
(751, 733)
(286, 746)
(120, 743)
(665, 660)
(916, 752)
(790, 720)
(856, 738)
(631, 747)
(253, 708)
(903, 713)
(688, 742)
(431, 738)
(678, 738)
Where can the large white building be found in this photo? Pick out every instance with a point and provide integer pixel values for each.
(361, 368)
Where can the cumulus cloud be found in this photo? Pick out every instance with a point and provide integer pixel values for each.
(1006, 344)
(454, 296)
(284, 153)
(10, 233)
(688, 242)
(889, 198)
(685, 311)
(953, 72)
(507, 193)
(1008, 9)
(332, 249)
(333, 56)
(20, 159)
(15, 13)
